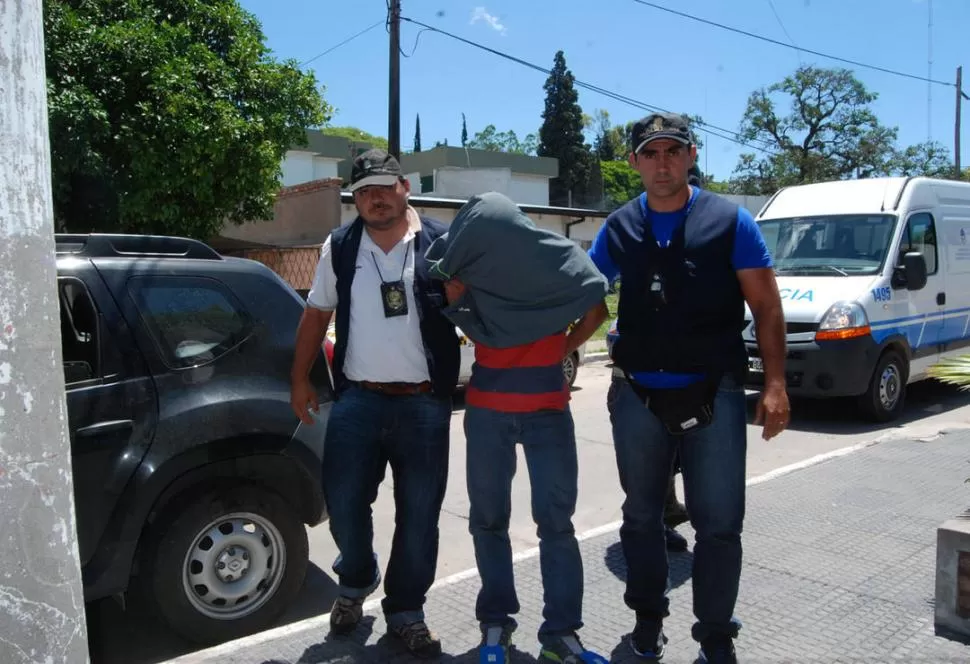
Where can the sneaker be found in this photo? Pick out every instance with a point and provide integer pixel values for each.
(418, 639)
(566, 649)
(648, 639)
(718, 650)
(346, 614)
(495, 645)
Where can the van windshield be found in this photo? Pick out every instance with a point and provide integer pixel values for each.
(837, 245)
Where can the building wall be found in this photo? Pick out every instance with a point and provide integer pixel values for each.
(529, 189)
(299, 167)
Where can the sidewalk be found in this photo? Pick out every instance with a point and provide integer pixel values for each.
(839, 566)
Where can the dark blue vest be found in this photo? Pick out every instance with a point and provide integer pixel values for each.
(699, 328)
(437, 332)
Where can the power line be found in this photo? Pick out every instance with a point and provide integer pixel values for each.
(784, 29)
(797, 48)
(346, 41)
(713, 129)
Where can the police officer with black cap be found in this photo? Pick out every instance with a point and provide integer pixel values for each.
(396, 363)
(688, 261)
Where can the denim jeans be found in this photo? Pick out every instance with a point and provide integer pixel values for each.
(365, 432)
(549, 442)
(713, 468)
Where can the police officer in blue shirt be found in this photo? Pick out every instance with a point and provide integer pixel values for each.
(687, 261)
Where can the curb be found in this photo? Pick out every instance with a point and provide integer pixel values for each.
(596, 357)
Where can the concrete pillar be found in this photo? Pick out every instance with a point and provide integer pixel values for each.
(41, 598)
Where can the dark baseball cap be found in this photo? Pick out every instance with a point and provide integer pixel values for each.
(657, 126)
(375, 168)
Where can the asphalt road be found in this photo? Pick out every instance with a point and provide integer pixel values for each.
(817, 427)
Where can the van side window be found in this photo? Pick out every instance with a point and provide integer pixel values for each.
(920, 235)
(193, 320)
(79, 332)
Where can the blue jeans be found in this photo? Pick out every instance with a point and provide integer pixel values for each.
(365, 432)
(549, 441)
(713, 468)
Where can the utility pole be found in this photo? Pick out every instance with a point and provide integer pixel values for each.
(956, 131)
(394, 92)
(41, 599)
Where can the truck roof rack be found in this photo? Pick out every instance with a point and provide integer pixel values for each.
(105, 245)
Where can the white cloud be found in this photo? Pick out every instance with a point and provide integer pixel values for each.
(481, 14)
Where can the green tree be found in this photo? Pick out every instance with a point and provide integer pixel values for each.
(561, 136)
(417, 133)
(494, 140)
(620, 183)
(608, 144)
(168, 116)
(357, 136)
(929, 158)
(831, 132)
(464, 131)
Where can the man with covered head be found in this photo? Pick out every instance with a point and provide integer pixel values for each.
(517, 291)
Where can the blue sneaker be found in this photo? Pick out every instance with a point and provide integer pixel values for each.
(496, 642)
(568, 649)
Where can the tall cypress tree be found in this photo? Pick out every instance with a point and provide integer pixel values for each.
(417, 133)
(464, 131)
(561, 136)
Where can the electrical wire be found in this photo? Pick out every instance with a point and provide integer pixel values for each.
(346, 41)
(714, 130)
(797, 48)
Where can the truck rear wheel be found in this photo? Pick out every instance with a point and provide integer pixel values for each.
(884, 399)
(226, 564)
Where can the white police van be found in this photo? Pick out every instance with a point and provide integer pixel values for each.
(874, 277)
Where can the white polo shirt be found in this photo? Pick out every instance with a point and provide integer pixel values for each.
(379, 349)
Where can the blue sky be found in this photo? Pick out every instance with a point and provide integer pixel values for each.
(637, 51)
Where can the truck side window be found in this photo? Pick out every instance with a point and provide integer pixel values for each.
(79, 332)
(192, 319)
(920, 235)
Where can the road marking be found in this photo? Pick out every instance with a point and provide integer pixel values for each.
(321, 622)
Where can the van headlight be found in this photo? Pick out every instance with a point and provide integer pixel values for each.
(843, 320)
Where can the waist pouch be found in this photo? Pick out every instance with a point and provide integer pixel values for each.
(680, 409)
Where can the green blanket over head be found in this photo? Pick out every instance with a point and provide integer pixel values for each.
(522, 282)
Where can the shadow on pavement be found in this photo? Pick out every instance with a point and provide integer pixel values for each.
(843, 416)
(355, 649)
(680, 564)
(132, 636)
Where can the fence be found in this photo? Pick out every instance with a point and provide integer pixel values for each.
(296, 265)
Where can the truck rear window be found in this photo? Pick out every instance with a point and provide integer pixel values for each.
(193, 320)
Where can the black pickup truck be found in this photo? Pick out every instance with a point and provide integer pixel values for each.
(193, 479)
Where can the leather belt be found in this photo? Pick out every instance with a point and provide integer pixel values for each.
(396, 389)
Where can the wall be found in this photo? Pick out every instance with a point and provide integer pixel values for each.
(303, 215)
(299, 167)
(529, 189)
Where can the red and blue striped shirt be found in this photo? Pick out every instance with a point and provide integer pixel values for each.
(520, 379)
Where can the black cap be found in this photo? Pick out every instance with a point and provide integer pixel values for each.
(375, 167)
(657, 126)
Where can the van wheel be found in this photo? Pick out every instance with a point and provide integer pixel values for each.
(226, 564)
(884, 399)
(570, 368)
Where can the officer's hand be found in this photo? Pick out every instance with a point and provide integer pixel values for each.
(773, 411)
(303, 398)
(454, 289)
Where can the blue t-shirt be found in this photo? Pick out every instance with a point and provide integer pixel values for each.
(750, 251)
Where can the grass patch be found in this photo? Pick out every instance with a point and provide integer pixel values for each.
(612, 301)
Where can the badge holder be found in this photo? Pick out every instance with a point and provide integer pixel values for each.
(394, 296)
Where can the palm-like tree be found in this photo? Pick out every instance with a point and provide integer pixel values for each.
(953, 371)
